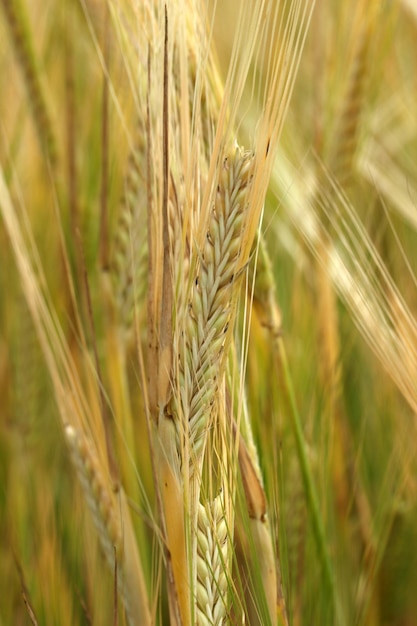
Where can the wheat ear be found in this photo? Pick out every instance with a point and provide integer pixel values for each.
(24, 49)
(345, 142)
(212, 563)
(113, 523)
(130, 241)
(202, 343)
(210, 305)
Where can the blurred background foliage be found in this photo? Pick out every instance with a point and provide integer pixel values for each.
(346, 167)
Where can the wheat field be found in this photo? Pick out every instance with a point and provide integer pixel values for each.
(208, 342)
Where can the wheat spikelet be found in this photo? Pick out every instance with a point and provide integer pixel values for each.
(212, 563)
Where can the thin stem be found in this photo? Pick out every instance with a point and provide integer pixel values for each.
(310, 490)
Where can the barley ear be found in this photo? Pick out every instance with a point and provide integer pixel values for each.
(213, 555)
(345, 142)
(114, 526)
(23, 44)
(210, 310)
(129, 254)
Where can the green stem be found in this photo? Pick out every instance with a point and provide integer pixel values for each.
(310, 491)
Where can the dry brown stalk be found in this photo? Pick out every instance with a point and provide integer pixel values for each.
(174, 522)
